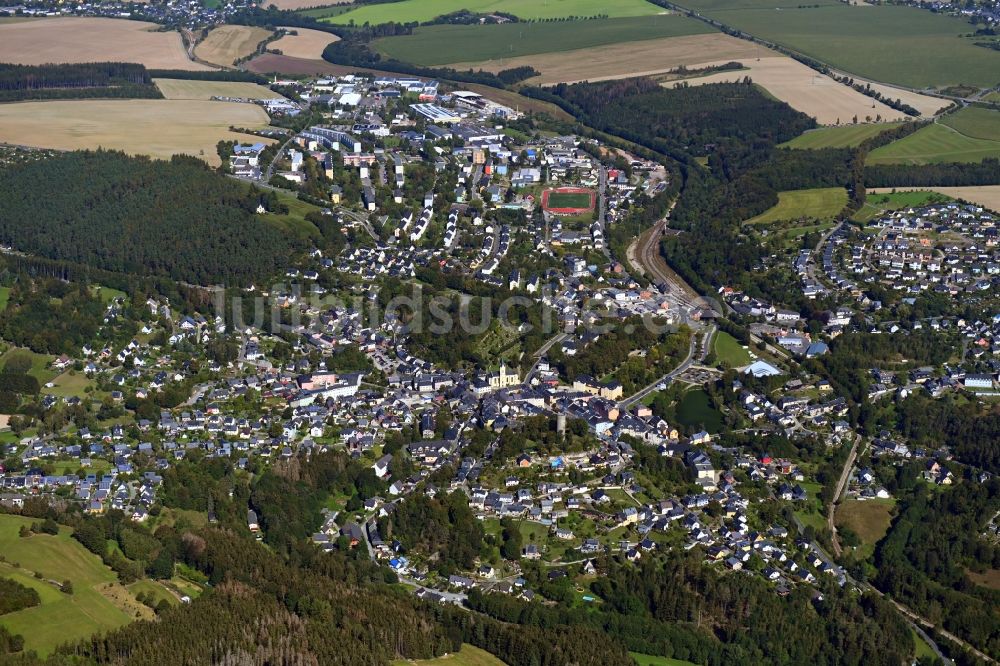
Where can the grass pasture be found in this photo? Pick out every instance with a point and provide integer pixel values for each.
(90, 39)
(652, 660)
(890, 44)
(729, 351)
(975, 122)
(425, 10)
(467, 656)
(226, 44)
(40, 369)
(206, 90)
(987, 196)
(935, 144)
(869, 519)
(155, 127)
(60, 617)
(843, 136)
(819, 204)
(878, 202)
(442, 44)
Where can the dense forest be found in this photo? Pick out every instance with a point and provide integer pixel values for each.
(53, 317)
(923, 561)
(15, 597)
(986, 172)
(443, 525)
(140, 216)
(972, 434)
(694, 120)
(74, 81)
(683, 610)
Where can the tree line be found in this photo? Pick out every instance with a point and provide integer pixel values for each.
(76, 80)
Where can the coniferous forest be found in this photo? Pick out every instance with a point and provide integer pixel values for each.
(133, 215)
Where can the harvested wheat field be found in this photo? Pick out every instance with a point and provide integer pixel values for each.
(156, 127)
(228, 43)
(304, 44)
(925, 104)
(987, 196)
(185, 89)
(87, 39)
(805, 90)
(617, 61)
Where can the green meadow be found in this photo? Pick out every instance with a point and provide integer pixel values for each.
(969, 135)
(409, 11)
(890, 44)
(60, 617)
(844, 136)
(443, 44)
(820, 204)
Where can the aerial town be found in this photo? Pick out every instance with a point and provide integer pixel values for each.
(410, 361)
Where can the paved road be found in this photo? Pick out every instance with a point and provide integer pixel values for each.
(845, 474)
(667, 378)
(540, 353)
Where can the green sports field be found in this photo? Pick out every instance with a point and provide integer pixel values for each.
(569, 200)
(819, 204)
(889, 44)
(60, 617)
(424, 10)
(442, 44)
(970, 135)
(845, 136)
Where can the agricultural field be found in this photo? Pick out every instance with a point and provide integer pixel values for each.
(879, 201)
(729, 351)
(970, 135)
(88, 39)
(844, 136)
(615, 61)
(467, 656)
(868, 40)
(304, 43)
(443, 44)
(155, 127)
(805, 90)
(228, 43)
(206, 90)
(295, 5)
(61, 617)
(424, 10)
(819, 204)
